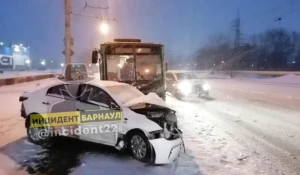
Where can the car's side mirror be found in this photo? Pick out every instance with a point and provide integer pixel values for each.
(114, 105)
(95, 57)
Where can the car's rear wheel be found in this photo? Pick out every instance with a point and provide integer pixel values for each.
(39, 135)
(140, 147)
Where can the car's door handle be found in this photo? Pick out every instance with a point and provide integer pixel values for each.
(46, 103)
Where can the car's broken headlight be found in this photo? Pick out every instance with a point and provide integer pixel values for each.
(170, 131)
(156, 134)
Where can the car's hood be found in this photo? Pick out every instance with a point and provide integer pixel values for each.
(151, 98)
(147, 86)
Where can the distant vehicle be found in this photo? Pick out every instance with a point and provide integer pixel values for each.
(134, 62)
(78, 71)
(78, 75)
(185, 84)
(147, 128)
(60, 76)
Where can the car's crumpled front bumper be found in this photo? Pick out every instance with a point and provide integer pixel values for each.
(166, 151)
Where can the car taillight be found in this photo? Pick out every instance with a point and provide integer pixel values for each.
(23, 98)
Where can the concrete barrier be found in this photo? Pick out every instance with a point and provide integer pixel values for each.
(16, 80)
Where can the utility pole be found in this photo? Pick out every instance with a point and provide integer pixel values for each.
(237, 27)
(68, 39)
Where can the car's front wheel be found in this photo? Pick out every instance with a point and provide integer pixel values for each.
(37, 135)
(140, 147)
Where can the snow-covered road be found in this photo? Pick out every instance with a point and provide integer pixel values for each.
(246, 127)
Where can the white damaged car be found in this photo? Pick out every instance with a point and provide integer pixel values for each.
(147, 127)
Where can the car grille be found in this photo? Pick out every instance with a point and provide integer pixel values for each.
(197, 88)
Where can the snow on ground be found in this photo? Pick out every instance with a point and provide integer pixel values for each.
(272, 91)
(245, 127)
(290, 80)
(215, 151)
(248, 126)
(239, 138)
(262, 117)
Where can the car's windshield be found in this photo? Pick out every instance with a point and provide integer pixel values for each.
(148, 67)
(120, 68)
(185, 76)
(125, 93)
(78, 68)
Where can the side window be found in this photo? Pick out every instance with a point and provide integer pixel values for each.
(56, 91)
(96, 95)
(68, 91)
(72, 90)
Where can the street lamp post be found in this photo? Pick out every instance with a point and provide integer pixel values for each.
(28, 64)
(104, 28)
(43, 63)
